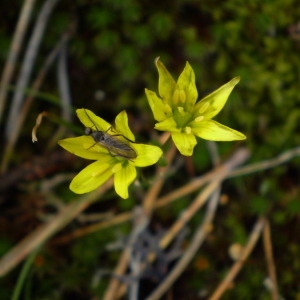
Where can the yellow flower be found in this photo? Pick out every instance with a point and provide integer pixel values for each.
(114, 150)
(178, 112)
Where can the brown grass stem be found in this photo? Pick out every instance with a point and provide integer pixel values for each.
(270, 260)
(45, 231)
(237, 266)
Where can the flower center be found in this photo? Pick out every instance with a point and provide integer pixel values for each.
(181, 117)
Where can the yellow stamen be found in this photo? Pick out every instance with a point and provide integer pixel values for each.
(180, 109)
(203, 108)
(199, 119)
(182, 96)
(176, 97)
(188, 129)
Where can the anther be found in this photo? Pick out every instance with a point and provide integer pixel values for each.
(203, 108)
(199, 119)
(188, 129)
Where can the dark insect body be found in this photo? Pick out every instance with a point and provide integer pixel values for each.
(111, 143)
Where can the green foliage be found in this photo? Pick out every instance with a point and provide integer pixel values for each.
(237, 232)
(259, 205)
(5, 244)
(293, 207)
(4, 45)
(251, 287)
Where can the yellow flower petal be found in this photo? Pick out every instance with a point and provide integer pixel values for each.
(186, 82)
(167, 125)
(107, 163)
(184, 142)
(85, 147)
(121, 123)
(157, 105)
(214, 102)
(90, 120)
(123, 179)
(166, 83)
(147, 155)
(214, 131)
(91, 177)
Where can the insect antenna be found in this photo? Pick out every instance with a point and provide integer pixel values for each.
(94, 123)
(91, 120)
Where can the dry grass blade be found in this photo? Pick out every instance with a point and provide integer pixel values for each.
(183, 191)
(253, 238)
(11, 141)
(238, 158)
(270, 260)
(42, 233)
(191, 251)
(268, 163)
(199, 236)
(37, 124)
(148, 206)
(151, 197)
(28, 63)
(14, 51)
(63, 82)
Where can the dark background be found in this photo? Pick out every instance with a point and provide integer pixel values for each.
(110, 61)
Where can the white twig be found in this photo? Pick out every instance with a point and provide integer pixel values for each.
(191, 251)
(14, 51)
(63, 83)
(28, 64)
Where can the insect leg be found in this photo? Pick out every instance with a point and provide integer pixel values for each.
(91, 146)
(112, 129)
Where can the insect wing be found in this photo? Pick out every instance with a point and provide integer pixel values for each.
(117, 147)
